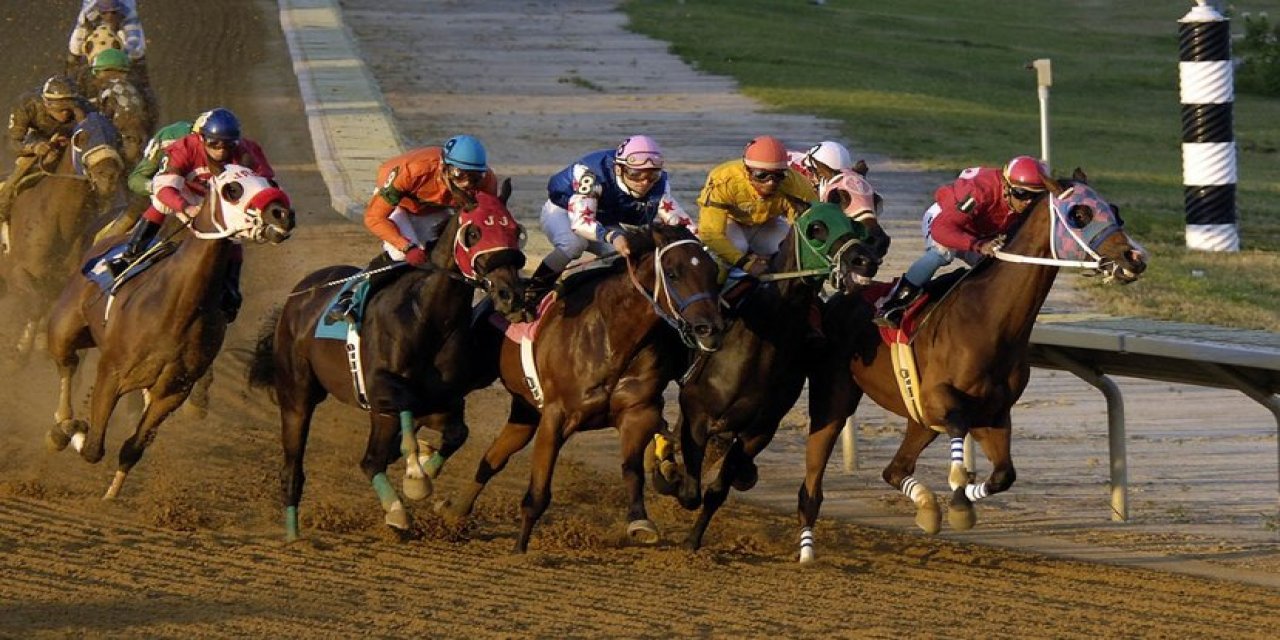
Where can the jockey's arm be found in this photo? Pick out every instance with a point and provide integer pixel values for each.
(377, 215)
(712, 221)
(19, 128)
(951, 227)
(583, 210)
(143, 172)
(670, 211)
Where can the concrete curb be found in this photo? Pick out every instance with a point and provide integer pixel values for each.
(352, 131)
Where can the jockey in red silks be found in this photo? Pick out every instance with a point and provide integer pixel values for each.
(181, 185)
(967, 220)
(416, 191)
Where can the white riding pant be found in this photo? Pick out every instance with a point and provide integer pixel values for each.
(419, 229)
(761, 239)
(558, 229)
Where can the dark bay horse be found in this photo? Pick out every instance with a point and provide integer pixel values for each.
(47, 232)
(160, 330)
(604, 353)
(414, 352)
(745, 389)
(971, 354)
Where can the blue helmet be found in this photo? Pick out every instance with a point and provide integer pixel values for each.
(466, 153)
(220, 124)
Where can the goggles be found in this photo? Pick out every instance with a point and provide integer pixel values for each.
(762, 175)
(641, 159)
(1022, 194)
(462, 177)
(641, 175)
(219, 144)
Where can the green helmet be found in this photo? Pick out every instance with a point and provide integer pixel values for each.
(110, 59)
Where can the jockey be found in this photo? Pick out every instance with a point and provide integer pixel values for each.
(830, 168)
(746, 206)
(146, 169)
(42, 122)
(588, 201)
(967, 220)
(416, 191)
(182, 182)
(110, 69)
(121, 16)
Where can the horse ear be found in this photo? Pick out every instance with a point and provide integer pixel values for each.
(504, 191)
(861, 168)
(1079, 176)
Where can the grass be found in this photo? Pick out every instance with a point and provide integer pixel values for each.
(943, 84)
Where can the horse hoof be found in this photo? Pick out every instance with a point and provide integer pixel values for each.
(746, 477)
(806, 555)
(642, 532)
(417, 488)
(958, 476)
(56, 439)
(663, 485)
(929, 518)
(397, 518)
(193, 411)
(962, 518)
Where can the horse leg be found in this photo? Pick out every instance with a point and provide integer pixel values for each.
(546, 448)
(995, 443)
(197, 406)
(636, 427)
(378, 453)
(735, 459)
(692, 428)
(417, 485)
(160, 400)
(295, 426)
(102, 403)
(899, 472)
(521, 424)
(454, 432)
(827, 416)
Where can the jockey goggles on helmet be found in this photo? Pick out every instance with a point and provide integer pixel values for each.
(639, 152)
(641, 175)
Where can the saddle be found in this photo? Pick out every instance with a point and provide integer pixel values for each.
(96, 270)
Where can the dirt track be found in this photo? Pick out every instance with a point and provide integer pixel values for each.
(192, 546)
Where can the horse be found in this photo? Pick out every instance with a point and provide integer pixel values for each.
(413, 352)
(47, 231)
(743, 390)
(603, 355)
(156, 329)
(971, 354)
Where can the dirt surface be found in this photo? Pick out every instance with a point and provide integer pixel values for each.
(193, 546)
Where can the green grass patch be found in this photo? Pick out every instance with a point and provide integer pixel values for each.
(944, 84)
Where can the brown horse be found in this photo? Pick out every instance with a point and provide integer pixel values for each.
(742, 391)
(604, 354)
(47, 232)
(414, 353)
(161, 329)
(971, 354)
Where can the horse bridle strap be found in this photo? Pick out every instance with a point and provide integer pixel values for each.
(676, 306)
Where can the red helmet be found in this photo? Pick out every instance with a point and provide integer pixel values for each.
(1025, 172)
(765, 152)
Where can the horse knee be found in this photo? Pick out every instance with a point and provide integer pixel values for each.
(1002, 479)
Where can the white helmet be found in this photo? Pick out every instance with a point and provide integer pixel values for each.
(832, 154)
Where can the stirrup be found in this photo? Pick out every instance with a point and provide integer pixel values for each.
(341, 311)
(889, 318)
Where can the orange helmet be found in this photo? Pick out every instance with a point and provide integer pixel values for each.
(765, 152)
(1025, 172)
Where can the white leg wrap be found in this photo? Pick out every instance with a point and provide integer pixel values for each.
(77, 441)
(806, 544)
(914, 489)
(976, 492)
(957, 451)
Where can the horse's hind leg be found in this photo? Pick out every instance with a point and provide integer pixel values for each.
(636, 426)
(159, 401)
(515, 435)
(295, 426)
(102, 403)
(995, 443)
(899, 472)
(197, 405)
(717, 492)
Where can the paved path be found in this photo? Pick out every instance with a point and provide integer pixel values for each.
(542, 82)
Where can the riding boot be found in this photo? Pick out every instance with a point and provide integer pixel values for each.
(232, 298)
(538, 286)
(142, 235)
(900, 298)
(9, 188)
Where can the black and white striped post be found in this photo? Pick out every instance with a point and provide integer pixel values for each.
(1208, 139)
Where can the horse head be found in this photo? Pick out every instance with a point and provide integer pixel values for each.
(684, 290)
(246, 206)
(827, 240)
(861, 203)
(487, 251)
(94, 155)
(1084, 227)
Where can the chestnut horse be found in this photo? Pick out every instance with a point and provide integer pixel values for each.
(160, 329)
(48, 230)
(971, 353)
(604, 354)
(414, 353)
(743, 390)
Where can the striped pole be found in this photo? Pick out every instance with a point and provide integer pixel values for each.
(1208, 142)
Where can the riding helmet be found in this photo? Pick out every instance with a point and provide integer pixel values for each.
(466, 153)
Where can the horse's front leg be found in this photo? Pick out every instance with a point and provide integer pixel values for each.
(159, 401)
(546, 449)
(833, 397)
(65, 425)
(693, 449)
(379, 452)
(636, 427)
(521, 424)
(734, 461)
(995, 442)
(899, 472)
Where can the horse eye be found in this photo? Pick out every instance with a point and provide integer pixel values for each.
(816, 231)
(1080, 216)
(232, 191)
(472, 237)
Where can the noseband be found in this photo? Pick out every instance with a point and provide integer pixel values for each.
(674, 303)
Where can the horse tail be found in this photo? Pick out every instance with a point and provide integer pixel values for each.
(262, 367)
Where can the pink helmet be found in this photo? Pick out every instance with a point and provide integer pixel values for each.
(639, 152)
(1025, 172)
